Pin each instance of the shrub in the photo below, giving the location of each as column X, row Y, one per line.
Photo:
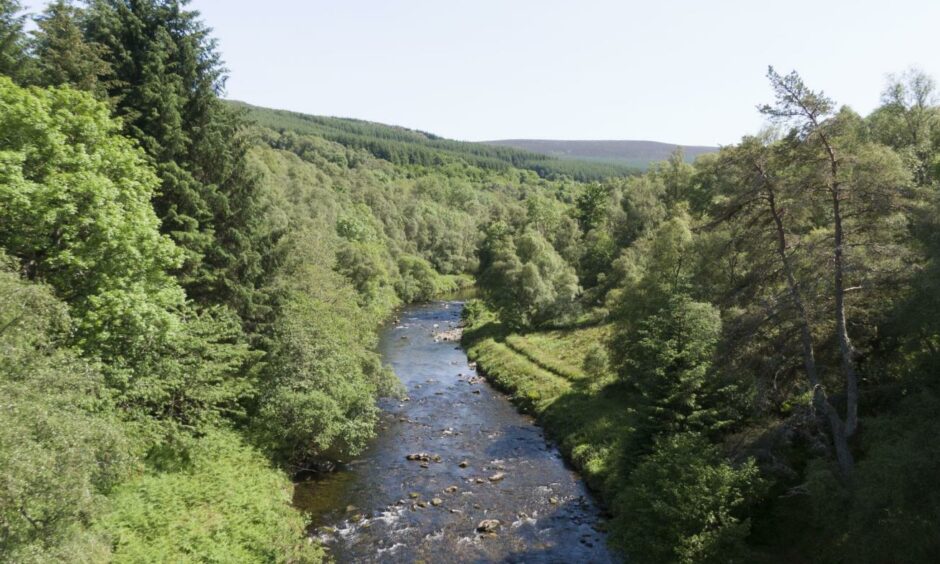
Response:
column 228, row 505
column 685, row 503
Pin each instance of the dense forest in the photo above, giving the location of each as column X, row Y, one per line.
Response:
column 739, row 354
column 405, row 146
column 637, row 154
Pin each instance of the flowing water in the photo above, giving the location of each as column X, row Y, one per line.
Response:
column 386, row 508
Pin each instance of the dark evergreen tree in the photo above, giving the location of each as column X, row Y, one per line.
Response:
column 169, row 76
column 63, row 56
column 13, row 58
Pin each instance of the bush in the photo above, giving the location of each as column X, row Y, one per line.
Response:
column 418, row 280
column 596, row 361
column 229, row 505
column 891, row 512
column 685, row 503
column 60, row 451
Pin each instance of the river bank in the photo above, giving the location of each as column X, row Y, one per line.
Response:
column 456, row 473
column 580, row 409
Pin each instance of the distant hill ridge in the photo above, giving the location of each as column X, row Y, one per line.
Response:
column 404, row 146
column 626, row 152
column 581, row 160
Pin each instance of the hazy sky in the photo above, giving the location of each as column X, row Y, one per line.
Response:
column 684, row 71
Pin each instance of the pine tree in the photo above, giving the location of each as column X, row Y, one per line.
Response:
column 62, row 54
column 169, row 76
column 13, row 56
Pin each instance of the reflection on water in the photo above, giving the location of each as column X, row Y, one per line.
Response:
column 476, row 459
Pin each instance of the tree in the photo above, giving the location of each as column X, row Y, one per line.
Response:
column 863, row 186
column 317, row 398
column 168, row 77
column 676, row 176
column 13, row 41
column 687, row 504
column 63, row 56
column 526, row 279
column 666, row 362
column 649, row 273
column 773, row 213
column 61, row 450
column 75, row 209
column 591, row 206
column 907, row 120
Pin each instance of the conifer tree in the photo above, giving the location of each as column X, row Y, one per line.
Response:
column 13, row 57
column 63, row 56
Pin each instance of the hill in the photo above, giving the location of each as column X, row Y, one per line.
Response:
column 634, row 154
column 403, row 146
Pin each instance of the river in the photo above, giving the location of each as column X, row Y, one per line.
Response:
column 485, row 462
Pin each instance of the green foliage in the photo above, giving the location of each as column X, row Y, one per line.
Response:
column 642, row 208
column 653, row 271
column 596, row 361
column 75, row 209
column 527, row 280
column 13, row 41
column 418, row 279
column 318, row 394
column 687, row 504
column 667, row 357
column 75, row 204
column 198, row 375
column 167, row 77
column 227, row 505
column 718, row 286
column 61, row 450
column 402, row 146
column 591, row 206
column 63, row 56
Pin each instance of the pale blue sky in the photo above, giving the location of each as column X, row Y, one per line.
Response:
column 682, row 71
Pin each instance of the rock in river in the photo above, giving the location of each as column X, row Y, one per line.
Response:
column 488, row 526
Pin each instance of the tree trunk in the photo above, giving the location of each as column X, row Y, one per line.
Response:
column 820, row 400
column 846, row 349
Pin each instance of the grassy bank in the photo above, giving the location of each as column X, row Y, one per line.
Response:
column 555, row 376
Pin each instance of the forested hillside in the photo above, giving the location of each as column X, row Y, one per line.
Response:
column 740, row 354
column 635, row 154
column 403, row 146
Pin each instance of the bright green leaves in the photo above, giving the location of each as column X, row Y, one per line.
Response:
column 527, row 281
column 317, row 398
column 60, row 448
column 75, row 209
column 229, row 505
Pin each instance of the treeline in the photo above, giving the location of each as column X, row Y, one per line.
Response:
column 773, row 337
column 403, row 146
column 189, row 300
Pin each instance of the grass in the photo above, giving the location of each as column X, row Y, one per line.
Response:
column 543, row 372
